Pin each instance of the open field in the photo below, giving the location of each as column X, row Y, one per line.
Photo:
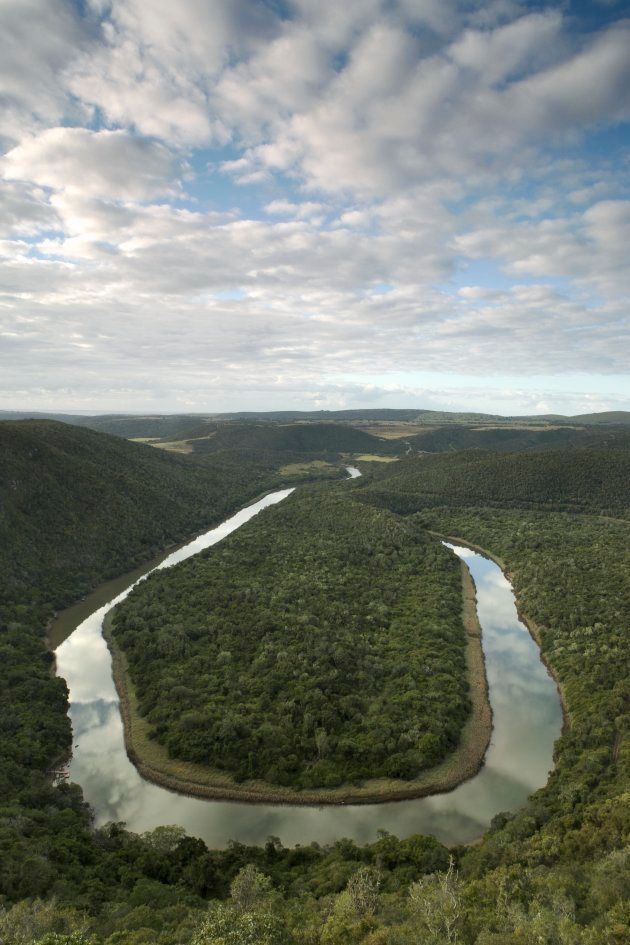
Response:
column 393, row 429
column 174, row 446
column 306, row 469
column 171, row 446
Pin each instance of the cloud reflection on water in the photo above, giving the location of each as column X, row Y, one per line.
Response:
column 527, row 720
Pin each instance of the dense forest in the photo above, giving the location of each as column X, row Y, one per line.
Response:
column 76, row 508
column 310, row 438
column 324, row 439
column 513, row 439
column 320, row 644
column 555, row 873
column 578, row 480
column 65, row 493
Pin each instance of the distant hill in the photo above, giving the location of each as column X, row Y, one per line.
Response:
column 408, row 415
column 506, row 439
column 585, row 480
column 455, row 430
column 130, row 426
column 160, row 427
column 610, row 417
column 301, row 438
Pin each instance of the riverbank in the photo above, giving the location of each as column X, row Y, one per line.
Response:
column 532, row 626
column 153, row 763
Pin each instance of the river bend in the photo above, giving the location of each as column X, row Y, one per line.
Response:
column 527, row 719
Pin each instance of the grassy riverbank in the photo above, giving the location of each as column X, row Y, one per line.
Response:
column 154, row 763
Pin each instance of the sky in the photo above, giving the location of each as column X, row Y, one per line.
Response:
column 216, row 205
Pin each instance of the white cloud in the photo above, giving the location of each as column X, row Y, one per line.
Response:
column 157, row 64
column 38, row 38
column 112, row 164
column 590, row 87
column 383, row 146
column 488, row 99
column 24, row 209
column 589, row 248
column 304, row 210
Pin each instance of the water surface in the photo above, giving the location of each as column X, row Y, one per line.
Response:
column 526, row 715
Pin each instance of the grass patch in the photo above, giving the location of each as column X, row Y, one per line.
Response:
column 373, row 458
column 394, row 429
column 304, row 470
column 174, row 446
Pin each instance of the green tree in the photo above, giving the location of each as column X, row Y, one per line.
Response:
column 250, row 889
column 225, row 926
column 436, row 904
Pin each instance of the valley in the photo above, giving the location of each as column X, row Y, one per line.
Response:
column 557, row 521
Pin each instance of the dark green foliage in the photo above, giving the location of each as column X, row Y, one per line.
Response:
column 322, row 643
column 581, row 480
column 570, row 574
column 536, row 876
column 505, row 439
column 78, row 507
column 320, row 439
column 176, row 427
column 555, row 873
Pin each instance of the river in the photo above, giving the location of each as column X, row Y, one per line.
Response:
column 527, row 719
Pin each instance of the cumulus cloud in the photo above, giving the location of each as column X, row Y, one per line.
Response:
column 589, row 247
column 302, row 210
column 113, row 164
column 38, row 38
column 414, row 195
column 486, row 99
column 24, row 209
column 156, row 64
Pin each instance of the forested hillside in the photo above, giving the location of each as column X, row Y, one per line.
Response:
column 580, row 480
column 555, row 873
column 384, row 432
column 508, row 439
column 321, row 644
column 309, row 438
column 79, row 507
column 562, row 863
column 76, row 508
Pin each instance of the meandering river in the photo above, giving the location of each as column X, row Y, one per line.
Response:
column 527, row 719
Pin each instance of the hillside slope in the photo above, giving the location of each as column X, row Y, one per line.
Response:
column 553, row 873
column 77, row 507
column 580, row 480
column 508, row 439
column 305, row 438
